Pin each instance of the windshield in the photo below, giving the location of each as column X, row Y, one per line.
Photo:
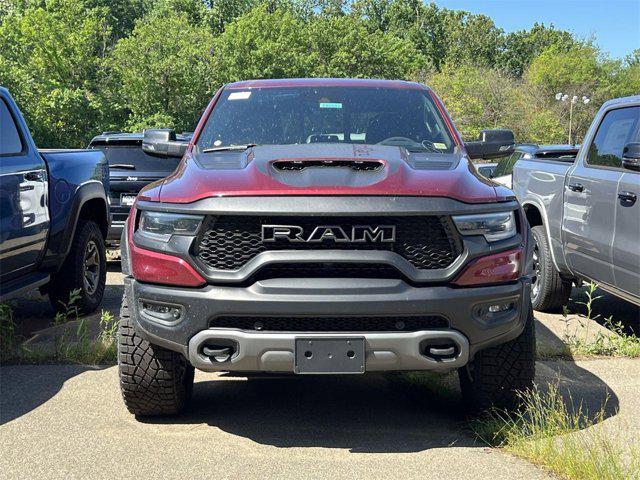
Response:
column 356, row 115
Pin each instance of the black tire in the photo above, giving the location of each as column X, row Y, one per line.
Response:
column 549, row 291
column 153, row 380
column 496, row 375
column 84, row 269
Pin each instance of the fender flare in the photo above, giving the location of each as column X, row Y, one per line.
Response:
column 91, row 190
column 545, row 224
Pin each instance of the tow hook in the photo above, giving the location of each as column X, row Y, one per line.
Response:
column 440, row 351
column 218, row 353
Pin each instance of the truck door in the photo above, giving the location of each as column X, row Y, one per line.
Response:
column 591, row 197
column 24, row 214
column 626, row 243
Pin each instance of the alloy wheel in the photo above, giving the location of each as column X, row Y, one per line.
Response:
column 91, row 267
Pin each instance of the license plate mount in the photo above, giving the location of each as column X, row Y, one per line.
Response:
column 127, row 199
column 330, row 355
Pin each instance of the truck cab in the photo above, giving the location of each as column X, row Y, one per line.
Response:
column 53, row 216
column 585, row 215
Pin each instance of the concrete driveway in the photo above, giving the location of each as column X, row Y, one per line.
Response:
column 69, row 422
column 65, row 421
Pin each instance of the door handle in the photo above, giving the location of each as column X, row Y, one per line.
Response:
column 576, row 187
column 627, row 199
column 34, row 176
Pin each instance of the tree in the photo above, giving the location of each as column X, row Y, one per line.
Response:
column 477, row 97
column 52, row 63
column 579, row 71
column 521, row 47
column 441, row 35
column 164, row 71
column 264, row 44
column 342, row 47
column 472, row 39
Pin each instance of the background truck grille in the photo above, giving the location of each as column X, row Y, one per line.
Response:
column 331, row 324
column 229, row 242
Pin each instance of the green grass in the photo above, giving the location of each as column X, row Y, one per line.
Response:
column 7, row 328
column 81, row 349
column 617, row 344
column 548, row 431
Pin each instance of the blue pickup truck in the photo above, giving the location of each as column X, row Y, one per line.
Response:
column 54, row 216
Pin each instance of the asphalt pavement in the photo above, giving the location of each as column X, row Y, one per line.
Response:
column 68, row 421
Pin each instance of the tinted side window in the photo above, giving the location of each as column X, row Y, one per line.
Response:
column 618, row 128
column 505, row 166
column 10, row 142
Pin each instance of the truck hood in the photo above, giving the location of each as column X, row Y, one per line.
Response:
column 323, row 169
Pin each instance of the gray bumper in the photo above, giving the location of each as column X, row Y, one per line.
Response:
column 262, row 351
column 275, row 352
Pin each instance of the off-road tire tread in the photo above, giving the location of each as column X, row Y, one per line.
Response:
column 71, row 275
column 499, row 372
column 554, row 290
column 153, row 380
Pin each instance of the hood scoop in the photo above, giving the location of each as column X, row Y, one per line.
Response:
column 301, row 165
column 328, row 172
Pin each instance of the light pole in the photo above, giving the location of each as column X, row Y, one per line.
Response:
column 563, row 97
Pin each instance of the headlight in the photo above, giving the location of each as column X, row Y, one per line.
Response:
column 494, row 226
column 158, row 223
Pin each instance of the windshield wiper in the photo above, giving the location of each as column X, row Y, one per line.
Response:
column 123, row 166
column 228, row 147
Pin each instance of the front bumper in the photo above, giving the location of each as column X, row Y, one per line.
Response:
column 471, row 327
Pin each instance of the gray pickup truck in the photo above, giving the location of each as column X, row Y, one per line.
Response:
column 584, row 213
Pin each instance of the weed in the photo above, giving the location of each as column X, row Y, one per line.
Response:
column 83, row 348
column 554, row 434
column 618, row 343
column 7, row 329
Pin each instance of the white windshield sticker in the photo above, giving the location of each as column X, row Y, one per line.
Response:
column 440, row 146
column 330, row 105
column 239, row 95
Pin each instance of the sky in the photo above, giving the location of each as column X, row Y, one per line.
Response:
column 615, row 24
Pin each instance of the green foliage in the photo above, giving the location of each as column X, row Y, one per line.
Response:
column 70, row 345
column 78, row 67
column 615, row 343
column 163, row 72
column 551, row 432
column 477, row 97
column 523, row 46
column 342, row 47
column 7, row 329
column 52, row 62
column 264, row 44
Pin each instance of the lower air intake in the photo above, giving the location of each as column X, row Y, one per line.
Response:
column 331, row 324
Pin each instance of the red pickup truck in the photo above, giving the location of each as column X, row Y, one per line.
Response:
column 324, row 226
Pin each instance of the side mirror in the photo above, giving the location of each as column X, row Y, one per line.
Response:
column 491, row 144
column 631, row 156
column 162, row 142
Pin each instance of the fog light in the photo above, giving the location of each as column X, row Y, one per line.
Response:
column 499, row 307
column 165, row 313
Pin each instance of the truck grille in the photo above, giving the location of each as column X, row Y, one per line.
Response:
column 331, row 324
column 229, row 242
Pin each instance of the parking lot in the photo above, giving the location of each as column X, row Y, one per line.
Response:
column 68, row 421
column 65, row 421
